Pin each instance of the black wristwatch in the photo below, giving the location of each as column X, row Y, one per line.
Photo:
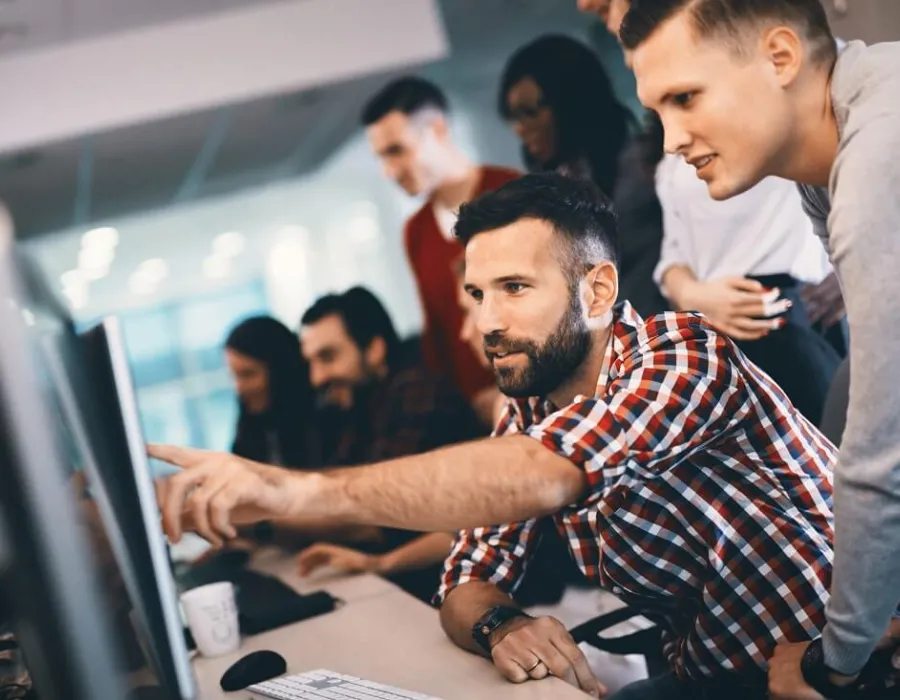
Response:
column 816, row 674
column 491, row 620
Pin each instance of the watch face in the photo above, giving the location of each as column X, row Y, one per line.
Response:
column 816, row 653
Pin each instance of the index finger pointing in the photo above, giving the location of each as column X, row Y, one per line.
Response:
column 183, row 457
column 176, row 491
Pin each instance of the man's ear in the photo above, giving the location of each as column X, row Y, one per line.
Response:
column 600, row 289
column 786, row 52
column 441, row 127
column 376, row 354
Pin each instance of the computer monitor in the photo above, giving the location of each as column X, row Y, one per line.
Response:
column 49, row 570
column 125, row 488
column 86, row 384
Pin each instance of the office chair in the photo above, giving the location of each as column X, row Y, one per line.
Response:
column 646, row 642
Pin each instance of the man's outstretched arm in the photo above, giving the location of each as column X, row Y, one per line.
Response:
column 479, row 483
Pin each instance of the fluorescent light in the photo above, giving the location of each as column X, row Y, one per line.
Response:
column 216, row 267
column 154, row 269
column 142, row 285
column 72, row 278
column 293, row 231
column 77, row 296
column 229, row 245
column 95, row 259
column 103, row 237
column 364, row 229
column 95, row 274
column 146, row 278
column 287, row 259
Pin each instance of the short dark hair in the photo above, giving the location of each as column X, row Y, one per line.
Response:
column 364, row 317
column 728, row 18
column 407, row 95
column 580, row 214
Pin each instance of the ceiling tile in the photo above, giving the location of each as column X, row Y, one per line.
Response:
column 31, row 24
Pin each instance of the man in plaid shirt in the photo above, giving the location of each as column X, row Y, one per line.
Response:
column 679, row 475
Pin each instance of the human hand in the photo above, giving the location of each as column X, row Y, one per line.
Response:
column 734, row 306
column 215, row 491
column 532, row 649
column 786, row 680
column 345, row 559
column 824, row 301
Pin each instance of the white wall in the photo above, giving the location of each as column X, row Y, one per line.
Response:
column 338, row 227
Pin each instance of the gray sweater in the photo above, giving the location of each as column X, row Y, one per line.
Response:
column 858, row 218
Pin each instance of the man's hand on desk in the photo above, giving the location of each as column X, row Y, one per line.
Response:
column 343, row 559
column 527, row 648
column 214, row 492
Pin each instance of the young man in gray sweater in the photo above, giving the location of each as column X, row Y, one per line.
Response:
column 752, row 88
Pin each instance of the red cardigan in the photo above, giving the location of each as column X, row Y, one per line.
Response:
column 432, row 257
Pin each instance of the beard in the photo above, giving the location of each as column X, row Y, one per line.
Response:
column 346, row 394
column 550, row 363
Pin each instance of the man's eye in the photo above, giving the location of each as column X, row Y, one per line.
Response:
column 684, row 99
column 477, row 295
column 514, row 287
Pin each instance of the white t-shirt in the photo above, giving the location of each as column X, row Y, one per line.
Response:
column 446, row 219
column 761, row 232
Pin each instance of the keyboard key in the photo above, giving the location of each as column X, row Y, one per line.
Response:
column 328, row 685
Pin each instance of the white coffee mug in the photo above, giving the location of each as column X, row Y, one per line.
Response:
column 212, row 616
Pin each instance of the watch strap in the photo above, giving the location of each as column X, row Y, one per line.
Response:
column 816, row 674
column 494, row 618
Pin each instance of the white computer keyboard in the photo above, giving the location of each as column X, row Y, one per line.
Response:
column 322, row 685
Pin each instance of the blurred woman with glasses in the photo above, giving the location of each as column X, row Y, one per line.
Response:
column 559, row 100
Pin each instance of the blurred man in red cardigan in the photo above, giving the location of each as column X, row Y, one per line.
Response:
column 407, row 126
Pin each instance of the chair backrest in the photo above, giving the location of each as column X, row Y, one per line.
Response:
column 834, row 413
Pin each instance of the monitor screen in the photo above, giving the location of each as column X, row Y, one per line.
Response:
column 88, row 388
column 123, row 476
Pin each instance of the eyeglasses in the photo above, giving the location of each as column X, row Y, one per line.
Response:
column 521, row 113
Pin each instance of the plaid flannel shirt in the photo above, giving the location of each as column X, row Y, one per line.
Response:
column 710, row 497
column 409, row 412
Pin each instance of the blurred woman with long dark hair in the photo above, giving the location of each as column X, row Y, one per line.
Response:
column 559, row 100
column 274, row 393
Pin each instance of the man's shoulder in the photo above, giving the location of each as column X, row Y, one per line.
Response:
column 418, row 219
column 415, row 382
column 866, row 97
column 419, row 227
column 670, row 331
column 866, row 75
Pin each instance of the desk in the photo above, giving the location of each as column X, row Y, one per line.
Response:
column 381, row 634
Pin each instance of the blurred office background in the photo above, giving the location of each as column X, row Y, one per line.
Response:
column 187, row 163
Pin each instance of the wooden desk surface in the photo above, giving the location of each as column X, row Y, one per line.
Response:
column 381, row 634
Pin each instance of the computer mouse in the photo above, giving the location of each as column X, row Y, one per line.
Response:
column 255, row 667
